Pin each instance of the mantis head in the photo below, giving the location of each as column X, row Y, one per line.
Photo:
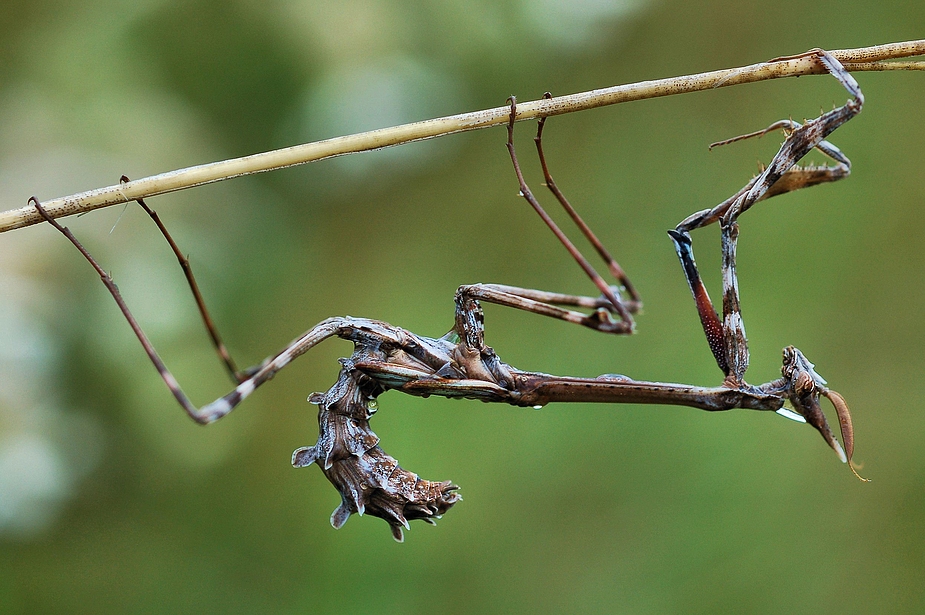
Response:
column 804, row 388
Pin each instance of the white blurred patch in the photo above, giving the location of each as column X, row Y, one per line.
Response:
column 44, row 450
column 575, row 24
column 33, row 481
column 25, row 347
column 378, row 93
column 152, row 282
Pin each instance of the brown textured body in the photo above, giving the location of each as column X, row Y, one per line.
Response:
column 368, row 480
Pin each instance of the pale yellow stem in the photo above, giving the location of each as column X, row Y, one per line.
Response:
column 862, row 59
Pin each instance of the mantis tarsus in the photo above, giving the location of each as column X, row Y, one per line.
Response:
column 461, row 365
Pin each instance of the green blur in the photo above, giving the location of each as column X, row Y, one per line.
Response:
column 568, row 509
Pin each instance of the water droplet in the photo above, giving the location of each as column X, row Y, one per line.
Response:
column 538, row 407
column 372, row 405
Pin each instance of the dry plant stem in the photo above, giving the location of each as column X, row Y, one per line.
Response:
column 860, row 59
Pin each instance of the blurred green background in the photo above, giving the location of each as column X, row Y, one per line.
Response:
column 111, row 501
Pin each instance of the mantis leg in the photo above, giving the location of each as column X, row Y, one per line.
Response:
column 726, row 338
column 354, row 329
column 619, row 307
column 634, row 303
column 236, row 375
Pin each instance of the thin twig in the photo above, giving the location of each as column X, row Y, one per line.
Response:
column 861, row 59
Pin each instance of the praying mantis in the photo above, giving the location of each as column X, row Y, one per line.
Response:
column 460, row 364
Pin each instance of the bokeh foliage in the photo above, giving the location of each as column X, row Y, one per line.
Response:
column 112, row 501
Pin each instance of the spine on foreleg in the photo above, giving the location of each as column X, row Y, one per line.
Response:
column 369, row 480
